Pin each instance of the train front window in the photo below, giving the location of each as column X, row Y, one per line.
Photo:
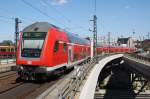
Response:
column 32, row 44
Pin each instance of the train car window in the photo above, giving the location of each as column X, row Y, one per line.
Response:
column 12, row 50
column 64, row 47
column 56, row 46
column 75, row 56
column 3, row 50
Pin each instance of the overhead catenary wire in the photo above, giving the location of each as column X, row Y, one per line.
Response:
column 10, row 13
column 95, row 7
column 47, row 15
column 6, row 17
column 11, row 17
column 40, row 11
column 6, row 21
column 65, row 17
column 7, row 12
column 27, row 20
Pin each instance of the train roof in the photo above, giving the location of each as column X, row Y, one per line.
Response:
column 76, row 39
column 44, row 27
column 39, row 27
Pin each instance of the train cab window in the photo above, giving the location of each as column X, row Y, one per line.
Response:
column 56, row 46
column 64, row 47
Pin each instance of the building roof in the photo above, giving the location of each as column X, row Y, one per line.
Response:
column 123, row 40
column 2, row 44
column 146, row 44
column 146, row 41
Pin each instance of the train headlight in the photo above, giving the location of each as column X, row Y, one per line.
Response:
column 21, row 67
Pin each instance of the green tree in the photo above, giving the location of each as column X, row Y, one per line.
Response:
column 7, row 42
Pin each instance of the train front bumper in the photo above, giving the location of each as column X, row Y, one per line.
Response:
column 34, row 73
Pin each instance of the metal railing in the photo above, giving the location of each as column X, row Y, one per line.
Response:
column 7, row 61
column 69, row 90
column 7, row 64
column 138, row 58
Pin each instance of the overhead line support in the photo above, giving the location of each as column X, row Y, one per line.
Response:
column 17, row 21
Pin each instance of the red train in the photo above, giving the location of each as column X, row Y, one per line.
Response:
column 115, row 50
column 44, row 49
column 7, row 51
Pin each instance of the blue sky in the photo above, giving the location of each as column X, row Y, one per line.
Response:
column 120, row 17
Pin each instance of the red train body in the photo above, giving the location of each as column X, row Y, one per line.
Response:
column 44, row 48
column 7, row 51
column 115, row 50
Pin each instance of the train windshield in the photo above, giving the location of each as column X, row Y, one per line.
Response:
column 32, row 44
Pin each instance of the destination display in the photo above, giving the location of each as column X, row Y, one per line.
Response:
column 34, row 35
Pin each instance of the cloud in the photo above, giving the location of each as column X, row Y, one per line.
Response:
column 127, row 7
column 59, row 2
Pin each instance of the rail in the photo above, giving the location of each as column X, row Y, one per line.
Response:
column 7, row 61
column 138, row 58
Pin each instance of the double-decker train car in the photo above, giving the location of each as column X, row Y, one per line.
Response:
column 44, row 49
column 115, row 50
column 7, row 51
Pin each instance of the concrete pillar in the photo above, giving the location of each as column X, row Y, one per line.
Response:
column 92, row 50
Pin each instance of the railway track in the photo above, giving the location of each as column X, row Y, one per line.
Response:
column 29, row 89
column 8, row 81
column 7, row 75
column 122, row 96
column 24, row 90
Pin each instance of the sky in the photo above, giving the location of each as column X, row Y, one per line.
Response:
column 119, row 17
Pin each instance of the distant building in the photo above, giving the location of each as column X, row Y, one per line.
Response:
column 126, row 42
column 146, row 44
column 138, row 44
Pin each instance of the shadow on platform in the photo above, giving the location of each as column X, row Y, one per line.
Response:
column 119, row 85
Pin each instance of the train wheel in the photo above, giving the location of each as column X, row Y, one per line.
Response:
column 68, row 70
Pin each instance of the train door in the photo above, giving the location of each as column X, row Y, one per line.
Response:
column 70, row 54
